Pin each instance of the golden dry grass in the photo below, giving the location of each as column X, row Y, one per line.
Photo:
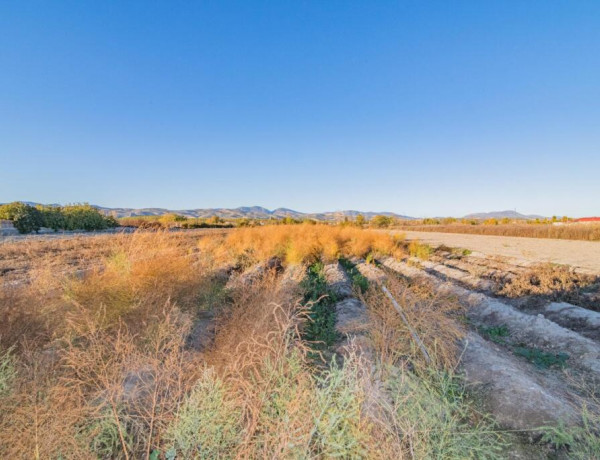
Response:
column 79, row 340
column 106, row 351
column 297, row 244
column 21, row 259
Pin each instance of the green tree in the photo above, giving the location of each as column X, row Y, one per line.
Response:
column 24, row 217
column 360, row 220
column 52, row 217
column 85, row 217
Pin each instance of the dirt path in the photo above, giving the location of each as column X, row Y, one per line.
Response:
column 584, row 255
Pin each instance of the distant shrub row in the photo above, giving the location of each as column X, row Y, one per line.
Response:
column 27, row 218
column 173, row 221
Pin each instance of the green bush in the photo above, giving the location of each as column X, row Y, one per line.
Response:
column 341, row 431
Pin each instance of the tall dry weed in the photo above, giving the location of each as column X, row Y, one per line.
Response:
column 436, row 319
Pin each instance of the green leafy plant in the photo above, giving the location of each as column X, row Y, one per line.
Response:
column 340, row 429
column 540, row 358
column 320, row 329
column 496, row 334
column 358, row 280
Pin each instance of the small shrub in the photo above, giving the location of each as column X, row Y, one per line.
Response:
column 582, row 441
column 421, row 251
column 105, row 435
column 341, row 429
column 8, row 372
column 556, row 281
column 209, row 423
column 436, row 418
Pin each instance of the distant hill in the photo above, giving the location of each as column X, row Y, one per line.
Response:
column 249, row 212
column 501, row 215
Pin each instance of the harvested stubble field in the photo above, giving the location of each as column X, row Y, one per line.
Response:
column 278, row 342
column 571, row 231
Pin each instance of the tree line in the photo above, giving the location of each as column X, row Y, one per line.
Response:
column 27, row 218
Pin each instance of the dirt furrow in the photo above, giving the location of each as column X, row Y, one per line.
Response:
column 587, row 322
column 531, row 329
column 518, row 396
column 461, row 276
column 337, row 280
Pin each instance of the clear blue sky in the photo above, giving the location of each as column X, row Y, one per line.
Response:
column 418, row 107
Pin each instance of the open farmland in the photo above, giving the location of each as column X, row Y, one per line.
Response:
column 292, row 341
column 582, row 255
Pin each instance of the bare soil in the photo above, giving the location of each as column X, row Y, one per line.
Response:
column 582, row 255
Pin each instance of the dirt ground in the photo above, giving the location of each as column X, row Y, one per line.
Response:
column 584, row 255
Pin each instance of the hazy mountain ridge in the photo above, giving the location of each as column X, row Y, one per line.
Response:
column 259, row 212
column 250, row 212
column 501, row 214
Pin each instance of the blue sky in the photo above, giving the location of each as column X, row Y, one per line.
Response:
column 419, row 107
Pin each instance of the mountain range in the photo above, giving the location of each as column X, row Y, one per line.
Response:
column 258, row 212
column 250, row 212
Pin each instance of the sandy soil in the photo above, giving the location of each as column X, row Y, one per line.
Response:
column 584, row 255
